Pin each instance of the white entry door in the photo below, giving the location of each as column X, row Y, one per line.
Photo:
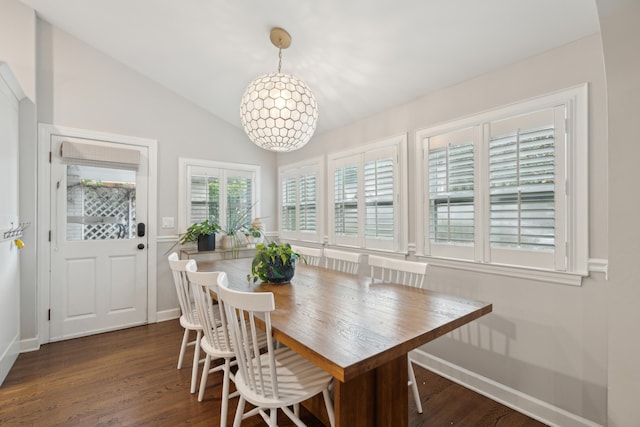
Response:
column 99, row 237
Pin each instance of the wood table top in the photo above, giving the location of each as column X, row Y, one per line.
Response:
column 348, row 325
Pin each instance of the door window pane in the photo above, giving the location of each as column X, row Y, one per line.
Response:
column 101, row 203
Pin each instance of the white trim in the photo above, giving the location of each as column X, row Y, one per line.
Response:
column 357, row 156
column 576, row 232
column 12, row 82
column 548, row 276
column 171, row 314
column 8, row 358
column 184, row 163
column 168, row 239
column 45, row 131
column 521, row 402
column 599, row 265
column 31, row 344
column 298, row 170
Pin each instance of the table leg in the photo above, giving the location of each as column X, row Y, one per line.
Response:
column 377, row 398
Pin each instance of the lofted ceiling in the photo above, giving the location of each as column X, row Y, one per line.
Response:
column 359, row 57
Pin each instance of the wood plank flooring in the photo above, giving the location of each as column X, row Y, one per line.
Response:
column 129, row 378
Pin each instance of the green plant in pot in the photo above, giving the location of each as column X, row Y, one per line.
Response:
column 202, row 232
column 273, row 263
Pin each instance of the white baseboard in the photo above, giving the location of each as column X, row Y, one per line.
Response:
column 165, row 315
column 9, row 357
column 528, row 405
column 28, row 345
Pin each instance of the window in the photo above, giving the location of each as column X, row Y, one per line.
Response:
column 223, row 192
column 300, row 213
column 451, row 188
column 366, row 196
column 508, row 187
column 345, row 204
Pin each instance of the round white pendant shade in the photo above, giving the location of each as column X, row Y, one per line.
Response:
column 279, row 112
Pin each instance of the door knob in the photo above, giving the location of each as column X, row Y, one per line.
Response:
column 141, row 246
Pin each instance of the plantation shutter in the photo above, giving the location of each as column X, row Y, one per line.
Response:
column 308, row 203
column 522, row 182
column 205, row 195
column 379, row 172
column 346, row 197
column 451, row 187
column 289, row 200
column 240, row 201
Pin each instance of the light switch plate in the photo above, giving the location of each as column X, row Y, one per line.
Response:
column 168, row 222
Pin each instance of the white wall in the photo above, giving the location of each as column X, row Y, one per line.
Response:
column 17, row 124
column 80, row 87
column 10, row 95
column 17, row 43
column 621, row 41
column 561, row 344
column 545, row 340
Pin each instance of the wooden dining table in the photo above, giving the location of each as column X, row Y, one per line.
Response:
column 358, row 330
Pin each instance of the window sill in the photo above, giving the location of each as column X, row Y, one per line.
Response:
column 562, row 278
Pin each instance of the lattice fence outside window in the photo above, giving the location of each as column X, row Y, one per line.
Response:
column 101, row 211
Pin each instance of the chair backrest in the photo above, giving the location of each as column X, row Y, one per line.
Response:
column 212, row 317
column 241, row 309
column 311, row 255
column 347, row 262
column 179, row 270
column 398, row 271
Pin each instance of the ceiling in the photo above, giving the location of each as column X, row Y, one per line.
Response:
column 359, row 57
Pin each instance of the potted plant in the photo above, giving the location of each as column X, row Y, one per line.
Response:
column 273, row 263
column 252, row 232
column 202, row 232
column 237, row 230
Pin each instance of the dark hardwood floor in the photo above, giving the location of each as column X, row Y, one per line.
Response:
column 129, row 378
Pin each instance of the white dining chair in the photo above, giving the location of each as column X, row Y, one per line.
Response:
column 347, row 262
column 189, row 317
column 408, row 273
column 270, row 379
column 216, row 341
column 312, row 256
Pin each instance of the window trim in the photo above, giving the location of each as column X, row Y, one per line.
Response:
column 576, row 195
column 400, row 242
column 296, row 169
column 184, row 164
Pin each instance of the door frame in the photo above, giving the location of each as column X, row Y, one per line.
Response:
column 45, row 132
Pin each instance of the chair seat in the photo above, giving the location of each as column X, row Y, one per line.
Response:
column 192, row 325
column 214, row 351
column 298, row 379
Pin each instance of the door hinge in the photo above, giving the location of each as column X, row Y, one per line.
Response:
column 49, row 235
column 50, row 156
column 49, row 314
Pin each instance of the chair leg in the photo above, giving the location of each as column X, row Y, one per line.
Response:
column 225, row 392
column 414, row 388
column 196, row 362
column 183, row 347
column 273, row 418
column 329, row 405
column 203, row 378
column 239, row 412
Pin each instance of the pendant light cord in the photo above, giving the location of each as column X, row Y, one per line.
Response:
column 279, row 59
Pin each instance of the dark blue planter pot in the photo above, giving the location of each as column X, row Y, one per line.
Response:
column 206, row 242
column 277, row 273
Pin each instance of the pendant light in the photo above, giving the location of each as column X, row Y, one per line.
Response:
column 278, row 111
